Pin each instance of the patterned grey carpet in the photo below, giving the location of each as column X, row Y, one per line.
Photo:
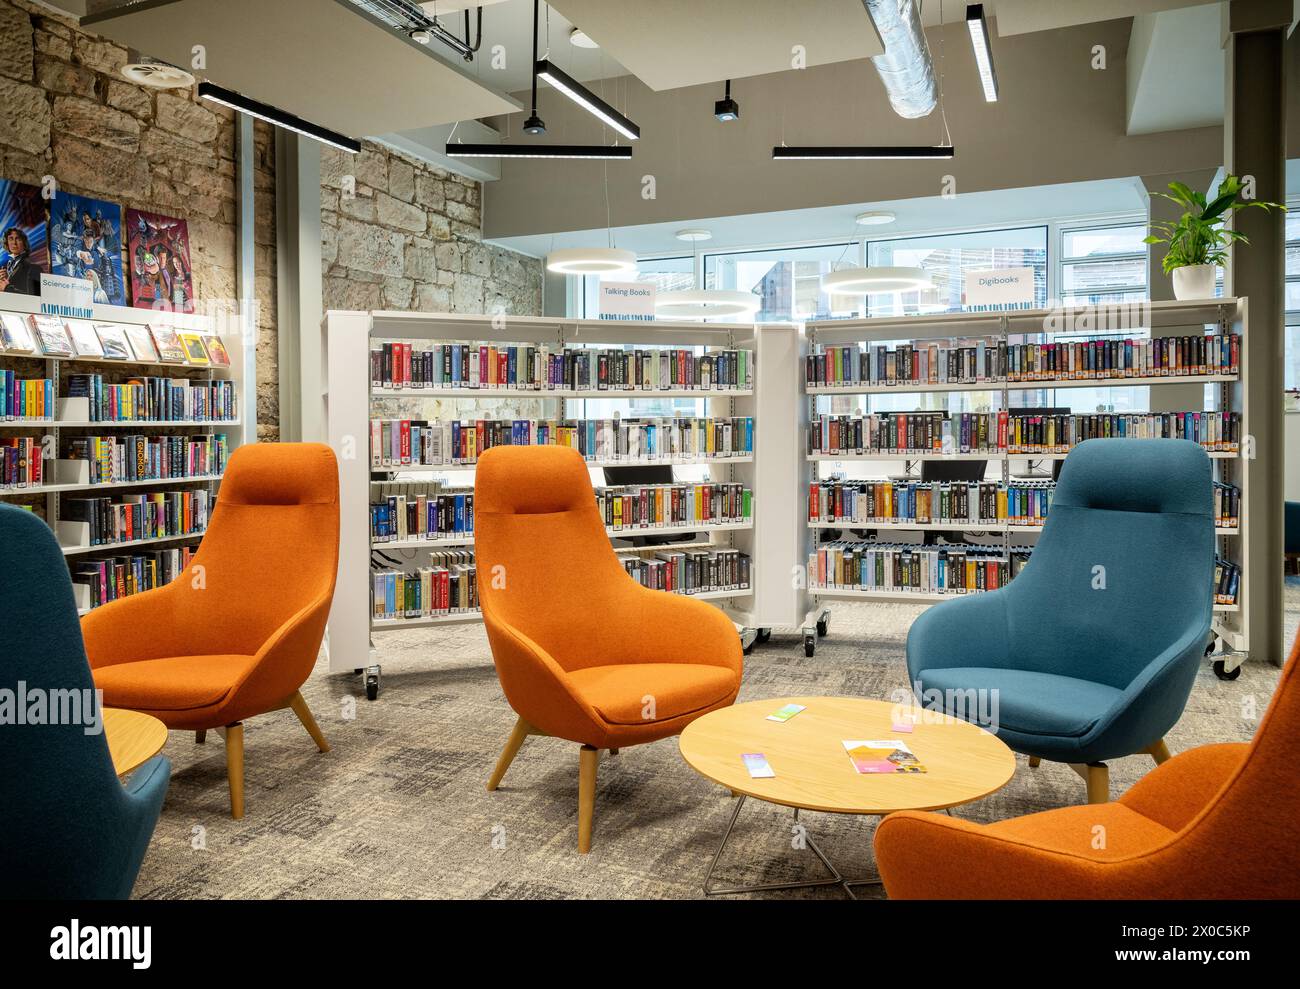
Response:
column 398, row 809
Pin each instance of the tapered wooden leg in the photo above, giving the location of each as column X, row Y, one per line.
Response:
column 1034, row 761
column 521, row 731
column 235, row 768
column 200, row 736
column 587, row 760
column 1098, row 783
column 1159, row 752
column 301, row 709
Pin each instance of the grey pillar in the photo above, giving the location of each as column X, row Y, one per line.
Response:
column 1255, row 145
column 298, row 286
column 245, row 284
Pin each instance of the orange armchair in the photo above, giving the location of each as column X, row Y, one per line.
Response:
column 1216, row 822
column 237, row 634
column 584, row 652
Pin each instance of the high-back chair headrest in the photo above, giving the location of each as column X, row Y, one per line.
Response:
column 281, row 474
column 1123, row 475
column 531, row 480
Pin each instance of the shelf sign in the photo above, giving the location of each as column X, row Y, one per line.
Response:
column 626, row 301
column 69, row 297
column 1000, row 287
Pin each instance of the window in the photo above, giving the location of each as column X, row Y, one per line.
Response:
column 787, row 280
column 1291, row 374
column 948, row 258
column 1103, row 264
column 667, row 275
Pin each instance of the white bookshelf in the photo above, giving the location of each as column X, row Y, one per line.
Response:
column 72, row 415
column 347, row 338
column 1180, row 317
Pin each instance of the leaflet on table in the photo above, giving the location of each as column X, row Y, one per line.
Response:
column 882, row 756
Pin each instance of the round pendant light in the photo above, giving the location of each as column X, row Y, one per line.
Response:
column 591, row 261
column 705, row 304
column 865, row 281
column 874, row 218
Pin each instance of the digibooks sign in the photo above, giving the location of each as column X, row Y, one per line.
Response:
column 626, row 301
column 1000, row 287
column 71, row 298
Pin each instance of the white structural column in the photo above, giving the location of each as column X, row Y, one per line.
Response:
column 299, row 303
column 245, row 283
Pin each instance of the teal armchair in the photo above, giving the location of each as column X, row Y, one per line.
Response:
column 1090, row 653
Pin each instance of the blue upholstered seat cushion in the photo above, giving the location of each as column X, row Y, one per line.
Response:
column 1025, row 702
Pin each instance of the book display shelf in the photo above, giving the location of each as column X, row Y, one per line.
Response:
column 876, row 490
column 412, row 398
column 121, row 457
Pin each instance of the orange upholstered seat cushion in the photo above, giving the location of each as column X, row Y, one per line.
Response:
column 176, row 683
column 641, row 693
column 1101, row 832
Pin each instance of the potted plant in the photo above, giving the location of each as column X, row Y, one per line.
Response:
column 1198, row 241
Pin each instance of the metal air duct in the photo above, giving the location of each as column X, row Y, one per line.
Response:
column 905, row 67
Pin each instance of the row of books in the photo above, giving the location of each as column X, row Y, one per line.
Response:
column 911, row 567
column 410, row 513
column 646, row 506
column 137, row 457
column 1216, row 431
column 51, row 336
column 448, row 586
column 1227, row 581
column 908, row 432
column 401, row 442
column 20, row 462
column 542, row 368
column 1146, row 357
column 153, row 399
column 116, row 577
column 692, row 572
column 1014, row 503
column 130, row 517
column 25, row 398
column 932, row 363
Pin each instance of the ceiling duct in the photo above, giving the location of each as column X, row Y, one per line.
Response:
column 905, row 67
column 408, row 18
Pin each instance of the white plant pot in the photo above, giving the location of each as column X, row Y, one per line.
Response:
column 1194, row 281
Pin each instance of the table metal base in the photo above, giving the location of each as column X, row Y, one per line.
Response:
column 835, row 879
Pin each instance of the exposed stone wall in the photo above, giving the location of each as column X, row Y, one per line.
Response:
column 401, row 234
column 66, row 112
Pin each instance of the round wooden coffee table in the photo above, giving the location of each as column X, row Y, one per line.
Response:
column 814, row 772
column 133, row 738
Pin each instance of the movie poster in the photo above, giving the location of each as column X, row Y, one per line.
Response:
column 158, row 249
column 24, row 225
column 86, row 242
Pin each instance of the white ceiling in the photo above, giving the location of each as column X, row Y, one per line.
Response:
column 1005, row 207
column 1025, row 16
column 1175, row 70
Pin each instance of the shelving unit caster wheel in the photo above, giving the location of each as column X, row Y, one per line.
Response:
column 823, row 623
column 764, row 634
column 748, row 636
column 809, row 642
column 372, row 683
column 358, row 671
column 1223, row 673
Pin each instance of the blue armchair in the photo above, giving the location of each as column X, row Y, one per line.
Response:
column 1091, row 652
column 71, row 829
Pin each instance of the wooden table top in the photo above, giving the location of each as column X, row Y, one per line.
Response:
column 814, row 772
column 133, row 738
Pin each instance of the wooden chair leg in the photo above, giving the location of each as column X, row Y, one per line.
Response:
column 200, row 736
column 521, row 731
column 1159, row 752
column 587, row 761
column 235, row 768
column 301, row 709
column 1034, row 761
column 1098, row 780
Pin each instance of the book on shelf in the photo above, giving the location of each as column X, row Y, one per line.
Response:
column 84, row 338
column 51, row 335
column 21, row 464
column 1227, row 581
column 137, row 457
column 908, row 432
column 16, row 334
column 403, row 442
column 1227, row 505
column 142, row 345
column 1131, row 357
column 168, row 344
column 1038, row 433
column 539, row 367
column 195, row 352
column 25, row 398
column 934, row 362
column 691, row 571
column 131, row 517
column 648, row 506
column 913, row 567
column 448, row 586
column 112, row 339
column 115, row 577
column 217, row 352
column 154, row 399
column 402, row 510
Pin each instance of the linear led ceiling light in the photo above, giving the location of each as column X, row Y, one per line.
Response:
column 590, row 151
column 272, row 115
column 979, row 39
column 868, row 281
column 591, row 261
column 878, row 153
column 585, row 98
